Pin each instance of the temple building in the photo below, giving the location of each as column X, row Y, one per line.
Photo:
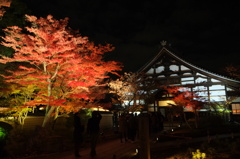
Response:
column 169, row 69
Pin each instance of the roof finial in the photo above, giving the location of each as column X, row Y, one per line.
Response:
column 163, row 43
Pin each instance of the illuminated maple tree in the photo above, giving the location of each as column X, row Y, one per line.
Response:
column 185, row 99
column 62, row 64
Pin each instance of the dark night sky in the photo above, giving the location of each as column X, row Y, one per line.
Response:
column 204, row 33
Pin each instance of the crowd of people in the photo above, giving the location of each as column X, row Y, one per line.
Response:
column 93, row 130
column 127, row 128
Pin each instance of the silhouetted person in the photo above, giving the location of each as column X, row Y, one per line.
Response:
column 154, row 123
column 132, row 127
column 122, row 128
column 93, row 130
column 2, row 150
column 161, row 121
column 77, row 134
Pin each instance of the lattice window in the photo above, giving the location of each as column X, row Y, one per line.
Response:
column 218, row 98
column 214, row 80
column 217, row 87
column 159, row 69
column 150, row 71
column 218, row 93
column 174, row 68
column 183, row 68
column 236, row 108
column 200, row 80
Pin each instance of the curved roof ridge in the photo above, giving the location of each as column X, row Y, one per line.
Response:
column 201, row 69
column 150, row 61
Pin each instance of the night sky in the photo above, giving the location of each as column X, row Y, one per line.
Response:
column 204, row 33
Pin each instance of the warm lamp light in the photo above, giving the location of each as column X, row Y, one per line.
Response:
column 99, row 108
column 166, row 103
column 41, row 108
column 136, row 151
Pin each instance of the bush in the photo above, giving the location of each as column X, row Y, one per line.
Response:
column 216, row 149
column 41, row 141
column 5, row 129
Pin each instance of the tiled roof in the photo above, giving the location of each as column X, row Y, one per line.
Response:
column 164, row 50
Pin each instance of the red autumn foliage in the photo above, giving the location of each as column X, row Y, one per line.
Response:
column 4, row 3
column 184, row 98
column 59, row 61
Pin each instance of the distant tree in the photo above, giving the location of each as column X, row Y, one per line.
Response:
column 233, row 71
column 147, row 88
column 221, row 109
column 134, row 91
column 62, row 64
column 124, row 88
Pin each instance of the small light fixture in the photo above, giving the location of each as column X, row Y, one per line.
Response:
column 136, row 151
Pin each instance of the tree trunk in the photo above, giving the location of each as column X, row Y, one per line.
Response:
column 185, row 118
column 48, row 117
column 196, row 118
column 55, row 117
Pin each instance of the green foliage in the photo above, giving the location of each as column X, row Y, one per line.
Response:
column 3, row 133
column 5, row 129
column 87, row 113
column 15, row 97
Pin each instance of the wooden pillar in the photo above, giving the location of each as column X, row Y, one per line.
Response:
column 144, row 151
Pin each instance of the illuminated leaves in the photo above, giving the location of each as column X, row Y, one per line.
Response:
column 185, row 98
column 131, row 88
column 4, row 3
column 124, row 87
column 58, row 60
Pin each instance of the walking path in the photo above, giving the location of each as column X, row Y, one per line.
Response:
column 105, row 150
column 114, row 149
